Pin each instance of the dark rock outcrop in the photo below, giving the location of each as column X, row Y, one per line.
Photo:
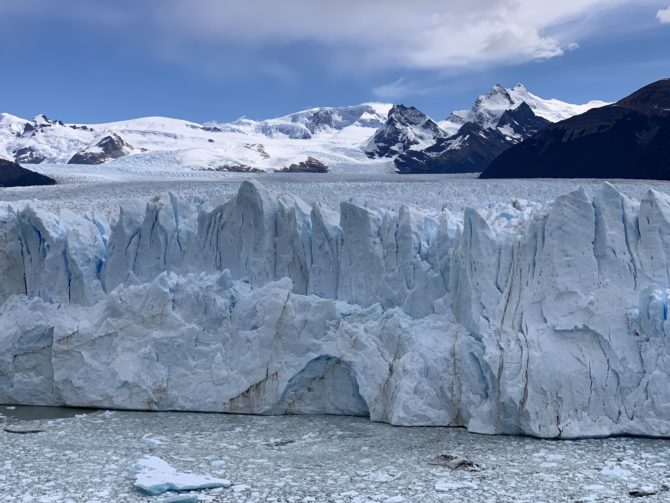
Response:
column 235, row 168
column 108, row 148
column 13, row 175
column 205, row 127
column 310, row 165
column 28, row 129
column 28, row 155
column 628, row 139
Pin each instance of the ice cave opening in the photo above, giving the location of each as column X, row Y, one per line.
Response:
column 326, row 385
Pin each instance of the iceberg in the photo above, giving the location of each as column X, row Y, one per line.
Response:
column 155, row 476
column 544, row 320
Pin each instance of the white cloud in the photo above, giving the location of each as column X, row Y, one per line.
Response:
column 426, row 34
column 361, row 34
column 393, row 90
column 663, row 15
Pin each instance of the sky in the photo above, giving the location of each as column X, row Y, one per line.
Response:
column 218, row 60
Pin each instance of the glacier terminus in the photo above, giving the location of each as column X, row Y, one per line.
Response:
column 545, row 320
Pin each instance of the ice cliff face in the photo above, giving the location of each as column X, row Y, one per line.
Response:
column 548, row 321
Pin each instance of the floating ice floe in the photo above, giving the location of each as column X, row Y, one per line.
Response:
column 445, row 485
column 152, row 441
column 155, row 476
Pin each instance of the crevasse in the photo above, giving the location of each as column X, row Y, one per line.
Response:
column 547, row 321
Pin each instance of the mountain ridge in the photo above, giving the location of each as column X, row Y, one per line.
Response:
column 342, row 138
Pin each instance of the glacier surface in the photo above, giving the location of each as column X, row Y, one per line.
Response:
column 546, row 320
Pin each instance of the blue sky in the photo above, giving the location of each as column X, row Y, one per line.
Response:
column 89, row 61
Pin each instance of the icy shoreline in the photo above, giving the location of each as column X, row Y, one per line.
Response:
column 546, row 320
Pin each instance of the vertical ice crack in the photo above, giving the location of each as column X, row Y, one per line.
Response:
column 68, row 272
column 175, row 215
column 599, row 239
column 633, row 256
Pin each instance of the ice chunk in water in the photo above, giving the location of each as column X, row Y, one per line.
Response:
column 155, row 476
column 181, row 498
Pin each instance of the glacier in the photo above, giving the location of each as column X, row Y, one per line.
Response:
column 545, row 320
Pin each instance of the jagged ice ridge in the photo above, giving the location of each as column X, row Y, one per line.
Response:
column 541, row 320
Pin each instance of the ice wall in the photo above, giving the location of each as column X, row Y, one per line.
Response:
column 548, row 321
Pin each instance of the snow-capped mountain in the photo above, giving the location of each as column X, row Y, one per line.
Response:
column 405, row 128
column 469, row 139
column 335, row 136
column 465, row 152
column 473, row 146
column 628, row 139
column 308, row 123
column 490, row 107
column 498, row 120
column 372, row 137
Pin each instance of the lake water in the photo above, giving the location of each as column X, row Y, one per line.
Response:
column 84, row 456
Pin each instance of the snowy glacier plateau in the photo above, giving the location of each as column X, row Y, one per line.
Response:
column 547, row 319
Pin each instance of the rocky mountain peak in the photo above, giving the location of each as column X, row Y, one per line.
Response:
column 407, row 115
column 41, row 120
column 520, row 123
column 497, row 95
column 405, row 128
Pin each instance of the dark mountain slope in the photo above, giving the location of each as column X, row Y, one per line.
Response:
column 474, row 147
column 468, row 151
column 628, row 139
column 13, row 175
column 522, row 122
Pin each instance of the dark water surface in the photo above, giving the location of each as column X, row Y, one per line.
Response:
column 30, row 413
